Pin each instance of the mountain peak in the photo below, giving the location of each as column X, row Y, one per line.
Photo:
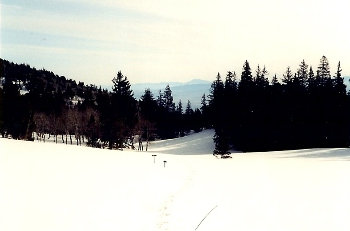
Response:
column 197, row 81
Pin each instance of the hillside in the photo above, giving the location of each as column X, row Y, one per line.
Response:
column 45, row 186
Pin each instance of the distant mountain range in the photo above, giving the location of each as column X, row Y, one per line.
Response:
column 192, row 90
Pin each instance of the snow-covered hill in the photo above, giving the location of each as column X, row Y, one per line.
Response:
column 44, row 186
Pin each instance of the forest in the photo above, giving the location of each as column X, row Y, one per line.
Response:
column 305, row 109
column 35, row 104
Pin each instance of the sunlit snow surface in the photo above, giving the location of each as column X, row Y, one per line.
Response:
column 47, row 186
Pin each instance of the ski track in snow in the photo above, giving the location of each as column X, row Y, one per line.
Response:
column 63, row 187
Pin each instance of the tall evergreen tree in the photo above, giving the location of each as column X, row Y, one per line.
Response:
column 260, row 79
column 121, row 85
column 204, row 104
column 323, row 69
column 160, row 99
column 189, row 110
column 217, row 105
column 168, row 98
column 274, row 80
column 340, row 87
column 179, row 108
column 246, row 77
column 148, row 106
column 303, row 73
column 123, row 111
column 288, row 76
column 311, row 80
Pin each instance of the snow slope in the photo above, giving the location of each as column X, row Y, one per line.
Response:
column 44, row 186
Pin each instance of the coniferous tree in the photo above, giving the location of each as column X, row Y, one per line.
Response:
column 274, row 81
column 189, row 110
column 217, row 93
column 303, row 73
column 288, row 76
column 148, row 106
column 311, row 80
column 179, row 108
column 188, row 117
column 160, row 100
column 205, row 112
column 340, row 87
column 123, row 111
column 180, row 119
column 204, row 104
column 246, row 77
column 168, row 98
column 323, row 69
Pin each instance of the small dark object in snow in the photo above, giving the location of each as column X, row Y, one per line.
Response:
column 154, row 158
column 164, row 163
column 226, row 156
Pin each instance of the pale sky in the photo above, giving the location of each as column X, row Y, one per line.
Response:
column 173, row 40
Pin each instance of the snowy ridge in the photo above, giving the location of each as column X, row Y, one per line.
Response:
column 44, row 186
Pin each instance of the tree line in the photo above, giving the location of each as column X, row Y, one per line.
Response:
column 305, row 110
column 37, row 104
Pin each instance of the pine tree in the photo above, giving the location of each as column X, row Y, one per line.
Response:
column 324, row 73
column 160, row 100
column 274, row 81
column 148, row 106
column 168, row 98
column 288, row 76
column 230, row 82
column 180, row 123
column 217, row 107
column 260, row 79
column 123, row 111
column 204, row 104
column 323, row 68
column 339, row 85
column 205, row 112
column 246, row 77
column 121, row 85
column 179, row 108
column 189, row 110
column 303, row 73
column 217, row 92
column 311, row 79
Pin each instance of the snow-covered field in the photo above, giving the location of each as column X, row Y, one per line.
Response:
column 47, row 186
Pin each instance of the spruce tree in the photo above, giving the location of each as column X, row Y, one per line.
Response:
column 160, row 100
column 311, row 80
column 168, row 98
column 217, row 105
column 189, row 110
column 246, row 77
column 274, row 81
column 288, row 76
column 323, row 68
column 204, row 104
column 303, row 73
column 179, row 108
column 121, row 85
column 340, row 87
column 148, row 106
column 123, row 111
column 260, row 79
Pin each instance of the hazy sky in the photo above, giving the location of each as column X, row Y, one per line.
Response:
column 173, row 40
